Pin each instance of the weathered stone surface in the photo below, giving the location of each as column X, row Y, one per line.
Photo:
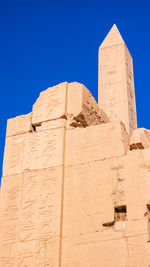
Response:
column 76, row 187
column 140, row 139
column 35, row 150
column 89, row 230
column 14, row 154
column 137, row 166
column 84, row 193
column 96, row 143
column 19, row 125
column 116, row 81
column 72, row 101
column 50, row 105
column 49, row 125
column 41, row 199
column 11, row 194
column 31, row 212
column 44, row 149
column 82, row 107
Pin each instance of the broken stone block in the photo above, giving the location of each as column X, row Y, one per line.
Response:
column 71, row 101
column 139, row 139
column 51, row 104
column 49, row 125
column 82, row 109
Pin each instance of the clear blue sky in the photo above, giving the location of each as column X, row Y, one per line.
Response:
column 43, row 43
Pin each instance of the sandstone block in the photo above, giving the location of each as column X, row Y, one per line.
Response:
column 19, row 125
column 49, row 125
column 34, row 150
column 101, row 252
column 95, row 143
column 14, row 154
column 44, row 149
column 11, row 193
column 50, row 105
column 41, row 214
column 82, row 106
column 31, row 214
column 134, row 180
column 72, row 101
column 86, row 197
column 139, row 139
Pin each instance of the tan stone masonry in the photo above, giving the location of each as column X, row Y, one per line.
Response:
column 76, row 184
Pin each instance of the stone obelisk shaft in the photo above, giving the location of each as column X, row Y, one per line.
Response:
column 116, row 80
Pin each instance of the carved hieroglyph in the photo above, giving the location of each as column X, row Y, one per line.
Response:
column 116, row 80
column 76, row 186
column 33, row 174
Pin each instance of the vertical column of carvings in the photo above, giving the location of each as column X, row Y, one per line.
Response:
column 130, row 91
column 42, row 199
column 11, row 192
column 37, row 158
column 42, row 203
column 40, row 216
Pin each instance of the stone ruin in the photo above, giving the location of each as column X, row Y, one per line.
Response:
column 76, row 175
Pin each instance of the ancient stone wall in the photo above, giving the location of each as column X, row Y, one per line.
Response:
column 76, row 185
column 33, row 175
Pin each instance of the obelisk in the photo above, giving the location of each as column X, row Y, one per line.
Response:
column 116, row 94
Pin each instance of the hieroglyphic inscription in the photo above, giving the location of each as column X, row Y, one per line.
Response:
column 27, row 261
column 11, row 196
column 40, row 214
column 110, row 80
column 14, row 155
column 50, row 104
column 116, row 83
column 130, row 92
column 44, row 149
column 28, row 210
column 49, row 147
